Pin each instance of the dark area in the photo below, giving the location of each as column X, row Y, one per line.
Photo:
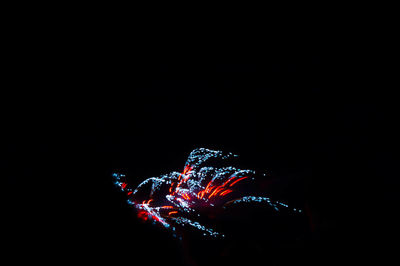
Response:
column 77, row 111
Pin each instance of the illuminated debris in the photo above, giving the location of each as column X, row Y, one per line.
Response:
column 179, row 200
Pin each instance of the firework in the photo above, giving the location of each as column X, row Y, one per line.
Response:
column 207, row 186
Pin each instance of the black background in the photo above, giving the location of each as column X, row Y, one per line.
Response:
column 80, row 108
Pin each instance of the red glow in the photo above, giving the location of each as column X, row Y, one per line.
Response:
column 210, row 189
column 223, row 193
column 218, row 188
column 186, row 196
column 238, row 180
column 226, row 182
column 202, row 194
column 186, row 172
column 142, row 215
column 187, row 169
column 215, row 191
column 123, row 185
column 208, row 185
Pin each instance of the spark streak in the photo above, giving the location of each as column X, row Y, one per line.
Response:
column 199, row 188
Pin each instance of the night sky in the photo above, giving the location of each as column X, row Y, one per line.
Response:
column 79, row 111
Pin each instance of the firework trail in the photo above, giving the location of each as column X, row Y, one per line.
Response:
column 189, row 200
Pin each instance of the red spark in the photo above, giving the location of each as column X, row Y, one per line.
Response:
column 186, row 196
column 216, row 191
column 238, row 180
column 226, row 182
column 142, row 215
column 223, row 193
column 170, row 188
column 186, row 172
